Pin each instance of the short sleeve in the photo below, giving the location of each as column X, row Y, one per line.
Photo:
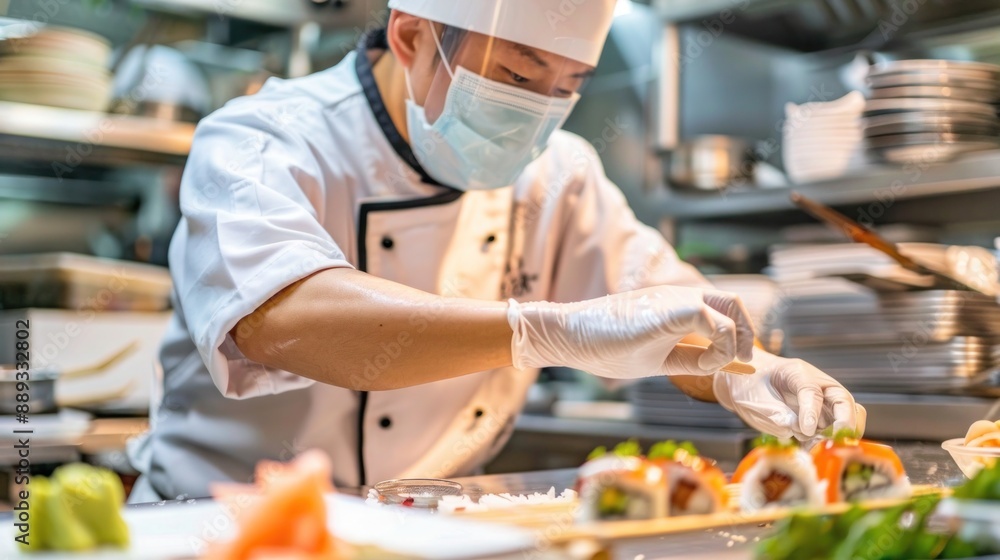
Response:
column 249, row 228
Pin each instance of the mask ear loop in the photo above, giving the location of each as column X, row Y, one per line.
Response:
column 409, row 86
column 444, row 60
column 437, row 41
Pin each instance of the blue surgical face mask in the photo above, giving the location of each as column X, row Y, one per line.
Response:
column 488, row 132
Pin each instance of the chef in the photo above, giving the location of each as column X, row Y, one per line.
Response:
column 374, row 260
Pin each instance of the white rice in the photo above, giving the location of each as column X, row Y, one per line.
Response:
column 487, row 502
column 799, row 466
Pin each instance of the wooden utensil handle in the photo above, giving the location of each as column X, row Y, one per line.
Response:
column 693, row 352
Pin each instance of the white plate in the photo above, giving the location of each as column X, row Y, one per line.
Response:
column 62, row 97
column 822, row 122
column 850, row 103
column 824, row 133
column 831, row 143
column 57, row 42
column 180, row 530
column 67, row 424
column 36, row 64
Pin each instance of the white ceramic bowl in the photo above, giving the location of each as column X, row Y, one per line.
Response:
column 971, row 460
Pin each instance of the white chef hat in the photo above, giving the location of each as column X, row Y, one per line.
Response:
column 575, row 29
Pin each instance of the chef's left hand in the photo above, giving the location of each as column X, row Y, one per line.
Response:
column 788, row 397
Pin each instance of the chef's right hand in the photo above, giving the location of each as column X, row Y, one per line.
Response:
column 632, row 334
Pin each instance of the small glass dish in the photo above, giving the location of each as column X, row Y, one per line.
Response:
column 416, row 492
column 971, row 459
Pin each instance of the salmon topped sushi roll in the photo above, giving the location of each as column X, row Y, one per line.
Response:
column 695, row 485
column 620, row 485
column 778, row 473
column 857, row 469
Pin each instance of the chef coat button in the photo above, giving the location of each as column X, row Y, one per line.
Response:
column 387, row 242
column 479, row 412
column 385, row 422
column 491, row 238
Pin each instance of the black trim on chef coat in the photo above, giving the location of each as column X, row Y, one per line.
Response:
column 376, row 40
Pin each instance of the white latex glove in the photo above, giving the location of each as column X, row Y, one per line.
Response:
column 788, row 398
column 631, row 334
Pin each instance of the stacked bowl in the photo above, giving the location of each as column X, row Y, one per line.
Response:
column 822, row 140
column 57, row 66
column 925, row 111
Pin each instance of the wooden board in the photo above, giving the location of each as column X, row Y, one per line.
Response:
column 556, row 522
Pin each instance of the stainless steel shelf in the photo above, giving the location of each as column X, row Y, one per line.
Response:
column 818, row 25
column 284, row 14
column 689, row 10
column 76, row 137
column 979, row 172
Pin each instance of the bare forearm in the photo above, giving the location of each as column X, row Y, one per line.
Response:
column 351, row 329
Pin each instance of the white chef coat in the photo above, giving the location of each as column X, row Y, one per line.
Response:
column 310, row 174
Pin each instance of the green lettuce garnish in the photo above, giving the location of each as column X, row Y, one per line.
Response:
column 767, row 440
column 630, row 448
column 597, row 453
column 668, row 449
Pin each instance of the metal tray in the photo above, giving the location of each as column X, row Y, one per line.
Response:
column 876, row 331
column 921, row 301
column 655, row 400
column 650, row 417
column 937, row 92
column 930, row 117
column 921, row 417
column 915, row 104
column 940, row 79
column 868, row 319
column 957, row 68
column 953, row 353
column 872, row 131
column 928, row 138
column 981, row 383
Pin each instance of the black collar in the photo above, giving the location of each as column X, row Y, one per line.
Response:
column 376, row 40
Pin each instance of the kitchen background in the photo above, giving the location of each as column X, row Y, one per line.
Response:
column 707, row 114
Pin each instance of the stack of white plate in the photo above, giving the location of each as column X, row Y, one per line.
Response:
column 822, row 140
column 923, row 111
column 57, row 66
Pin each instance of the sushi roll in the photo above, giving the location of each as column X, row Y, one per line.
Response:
column 778, row 473
column 620, row 485
column 695, row 485
column 856, row 469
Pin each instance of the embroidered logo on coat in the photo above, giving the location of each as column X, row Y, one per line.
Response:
column 516, row 281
